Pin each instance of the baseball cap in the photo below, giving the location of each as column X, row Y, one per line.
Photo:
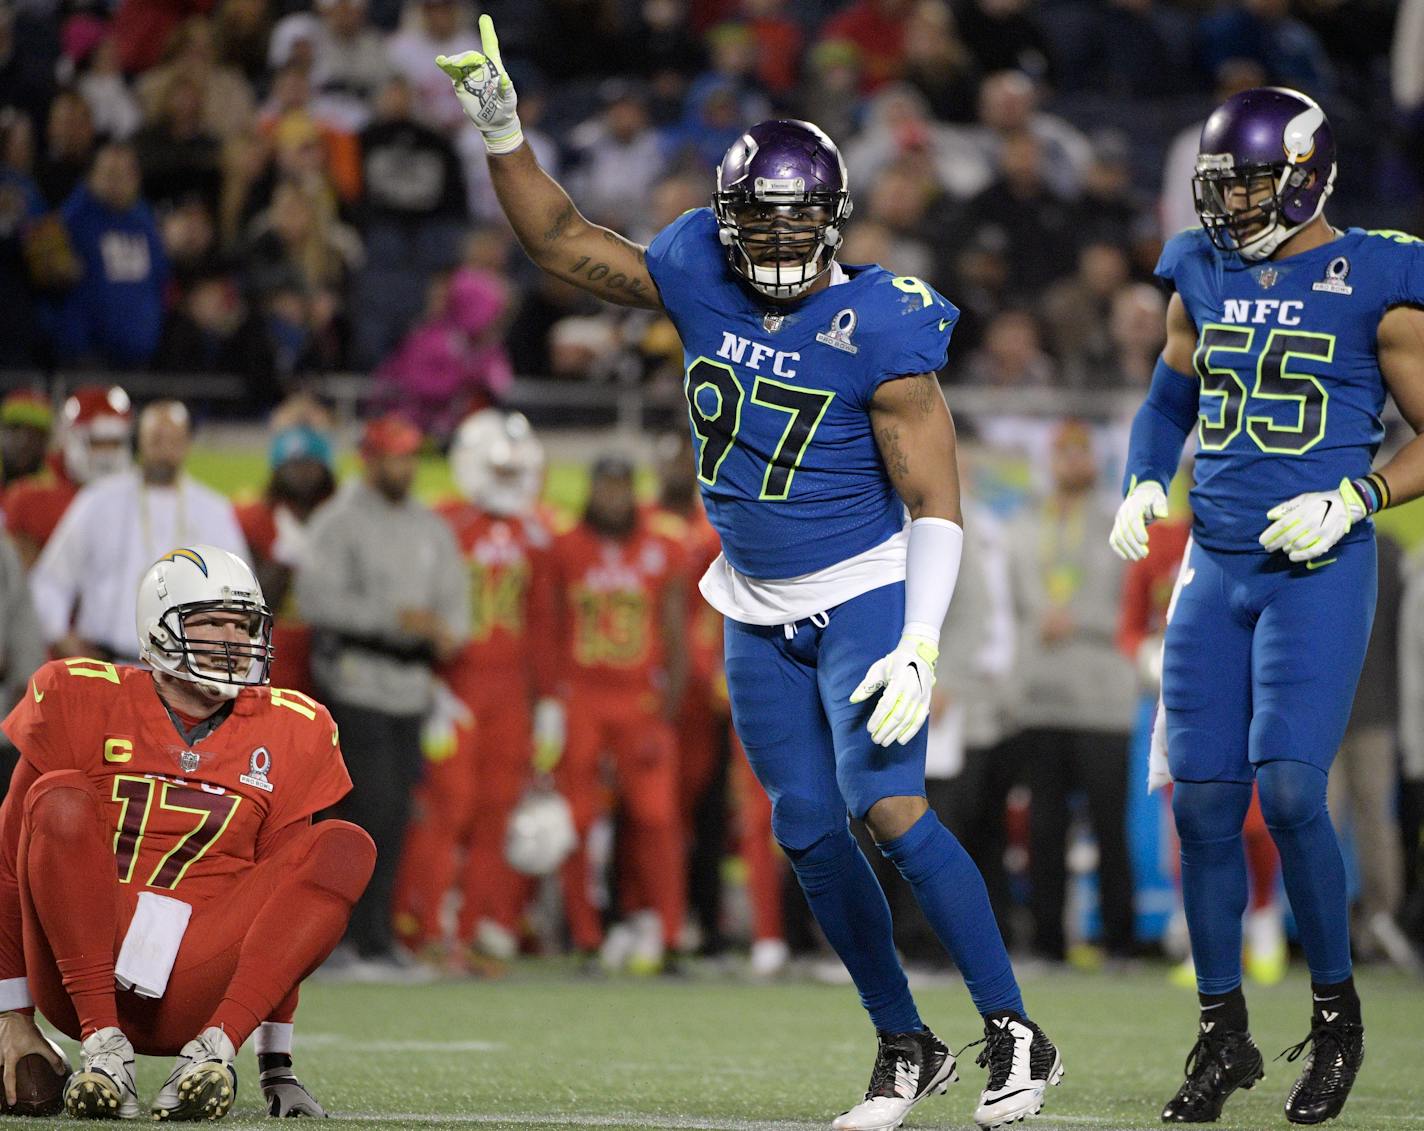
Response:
column 390, row 435
column 27, row 408
column 299, row 442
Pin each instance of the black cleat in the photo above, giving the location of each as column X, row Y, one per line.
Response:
column 1219, row 1063
column 1022, row 1063
column 908, row 1067
column 1336, row 1052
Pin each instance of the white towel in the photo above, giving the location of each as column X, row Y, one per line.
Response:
column 151, row 944
column 1159, row 772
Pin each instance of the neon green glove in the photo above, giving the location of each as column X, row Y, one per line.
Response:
column 1145, row 502
column 907, row 676
column 550, row 734
column 1309, row 525
column 485, row 92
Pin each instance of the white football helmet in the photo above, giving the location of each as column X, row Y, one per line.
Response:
column 204, row 579
column 540, row 834
column 498, row 462
column 98, row 426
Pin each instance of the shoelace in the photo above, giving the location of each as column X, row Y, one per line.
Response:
column 1206, row 1054
column 1326, row 1066
column 997, row 1054
column 884, row 1076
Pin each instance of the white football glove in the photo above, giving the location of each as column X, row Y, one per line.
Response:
column 908, row 678
column 1145, row 502
column 287, row 1096
column 485, row 92
column 550, row 733
column 446, row 715
column 1309, row 525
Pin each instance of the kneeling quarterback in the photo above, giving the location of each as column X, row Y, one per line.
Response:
column 163, row 889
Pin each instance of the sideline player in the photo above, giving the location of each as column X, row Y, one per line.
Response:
column 818, row 421
column 172, row 809
column 1283, row 337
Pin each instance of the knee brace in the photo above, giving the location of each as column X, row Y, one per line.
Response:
column 1210, row 811
column 818, row 865
column 341, row 859
column 1292, row 793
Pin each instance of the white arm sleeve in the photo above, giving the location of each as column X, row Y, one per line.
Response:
column 931, row 571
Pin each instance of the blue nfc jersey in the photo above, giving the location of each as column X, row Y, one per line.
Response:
column 779, row 399
column 1291, row 391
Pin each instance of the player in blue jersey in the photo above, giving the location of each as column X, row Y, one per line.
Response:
column 1283, row 336
column 818, row 421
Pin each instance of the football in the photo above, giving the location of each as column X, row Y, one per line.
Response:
column 39, row 1090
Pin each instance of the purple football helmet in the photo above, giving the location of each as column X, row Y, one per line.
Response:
column 781, row 203
column 1271, row 141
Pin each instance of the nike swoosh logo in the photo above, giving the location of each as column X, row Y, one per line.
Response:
column 1319, row 998
column 39, row 695
column 943, row 322
column 1219, row 1004
column 1316, row 564
column 1328, row 504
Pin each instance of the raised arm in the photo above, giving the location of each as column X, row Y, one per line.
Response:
column 550, row 229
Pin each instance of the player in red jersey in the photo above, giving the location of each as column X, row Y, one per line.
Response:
column 620, row 605
column 96, row 431
column 469, row 791
column 158, row 833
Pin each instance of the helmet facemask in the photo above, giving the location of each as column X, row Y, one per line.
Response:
column 779, row 237
column 1257, row 230
column 222, row 667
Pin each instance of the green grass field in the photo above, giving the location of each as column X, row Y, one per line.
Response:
column 543, row 1049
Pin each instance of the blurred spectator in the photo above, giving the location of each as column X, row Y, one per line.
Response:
column 28, row 50
column 720, row 103
column 1008, row 107
column 938, row 64
column 668, row 55
column 1011, row 356
column 298, row 241
column 431, row 28
column 1137, row 329
column 980, row 282
column 349, row 62
column 898, row 127
column 1110, row 203
column 178, row 156
column 779, row 41
column 69, row 147
column 21, row 207
column 190, row 238
column 670, row 198
column 1265, row 31
column 899, row 202
column 453, row 362
column 96, row 431
column 242, row 31
column 1079, row 693
column 190, row 51
column 26, row 421
column 1364, row 779
column 307, row 146
column 878, row 29
column 276, row 528
column 547, row 302
column 1077, row 310
column 1178, row 211
column 211, row 330
column 1004, row 35
column 1125, row 50
column 144, row 29
column 111, row 103
column 114, row 313
column 126, row 520
column 618, row 158
column 584, row 347
column 22, row 644
column 385, row 590
column 830, row 94
column 1042, row 226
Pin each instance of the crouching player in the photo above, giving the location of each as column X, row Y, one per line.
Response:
column 163, row 889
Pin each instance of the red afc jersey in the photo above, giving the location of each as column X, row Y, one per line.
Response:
column 188, row 819
column 1147, row 586
column 608, row 601
column 35, row 504
column 504, row 556
column 700, row 546
column 291, row 638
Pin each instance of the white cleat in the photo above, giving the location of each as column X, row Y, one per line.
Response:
column 1022, row 1063
column 769, row 958
column 203, row 1083
column 103, row 1087
column 908, row 1067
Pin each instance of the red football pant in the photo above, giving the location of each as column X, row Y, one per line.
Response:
column 699, row 729
column 242, row 956
column 758, row 848
column 464, row 803
column 637, row 743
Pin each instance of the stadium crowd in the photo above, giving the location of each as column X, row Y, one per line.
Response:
column 278, row 190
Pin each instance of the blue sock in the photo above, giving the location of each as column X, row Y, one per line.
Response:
column 951, row 893
column 1214, row 882
column 1293, row 803
column 849, row 905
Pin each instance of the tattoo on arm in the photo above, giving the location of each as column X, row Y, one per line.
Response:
column 560, row 223
column 896, row 461
column 924, row 391
column 608, row 280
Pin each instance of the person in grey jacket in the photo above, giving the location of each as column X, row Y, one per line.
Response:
column 1078, row 692
column 385, row 590
column 22, row 645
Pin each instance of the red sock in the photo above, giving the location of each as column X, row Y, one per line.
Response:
column 69, row 866
column 298, row 925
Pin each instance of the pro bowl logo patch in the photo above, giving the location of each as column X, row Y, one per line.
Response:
column 1336, row 272
column 838, row 336
column 187, row 556
column 258, row 767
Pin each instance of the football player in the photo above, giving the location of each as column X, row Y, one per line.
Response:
column 171, row 810
column 818, row 421
column 1283, row 336
column 469, row 792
